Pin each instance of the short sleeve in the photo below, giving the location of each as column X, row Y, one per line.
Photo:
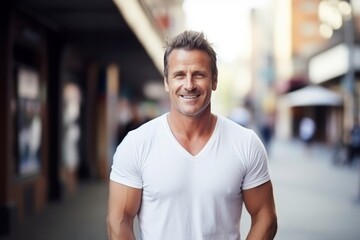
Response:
column 125, row 167
column 257, row 171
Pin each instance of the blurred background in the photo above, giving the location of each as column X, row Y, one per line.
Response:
column 78, row 75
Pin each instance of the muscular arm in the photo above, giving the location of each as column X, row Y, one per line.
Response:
column 259, row 202
column 124, row 204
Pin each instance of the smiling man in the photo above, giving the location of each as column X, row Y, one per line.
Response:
column 187, row 173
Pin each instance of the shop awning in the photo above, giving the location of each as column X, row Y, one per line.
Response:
column 314, row 95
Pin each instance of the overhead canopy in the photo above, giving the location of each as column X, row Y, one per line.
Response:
column 101, row 32
column 314, row 95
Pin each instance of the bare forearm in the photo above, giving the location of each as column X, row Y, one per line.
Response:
column 120, row 231
column 263, row 230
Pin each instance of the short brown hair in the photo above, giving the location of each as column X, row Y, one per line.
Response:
column 190, row 40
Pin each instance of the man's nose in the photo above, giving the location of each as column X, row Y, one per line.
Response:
column 190, row 85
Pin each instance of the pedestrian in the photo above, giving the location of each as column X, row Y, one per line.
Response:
column 307, row 130
column 187, row 173
column 266, row 131
column 241, row 115
column 354, row 144
column 134, row 122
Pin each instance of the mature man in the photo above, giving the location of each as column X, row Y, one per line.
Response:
column 187, row 173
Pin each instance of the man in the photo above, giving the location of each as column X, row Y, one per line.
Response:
column 354, row 144
column 187, row 173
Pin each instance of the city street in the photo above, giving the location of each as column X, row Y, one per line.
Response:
column 315, row 199
column 78, row 75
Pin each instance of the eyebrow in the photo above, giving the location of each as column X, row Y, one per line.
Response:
column 177, row 72
column 194, row 72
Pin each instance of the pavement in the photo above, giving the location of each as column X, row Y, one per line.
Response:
column 315, row 200
column 78, row 217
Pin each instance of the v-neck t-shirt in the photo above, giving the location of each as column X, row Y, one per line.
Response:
column 186, row 196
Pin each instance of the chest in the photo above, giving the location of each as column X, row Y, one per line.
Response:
column 215, row 172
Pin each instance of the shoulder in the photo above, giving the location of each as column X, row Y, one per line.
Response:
column 227, row 125
column 139, row 141
column 148, row 129
column 244, row 138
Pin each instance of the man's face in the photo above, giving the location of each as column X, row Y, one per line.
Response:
column 189, row 81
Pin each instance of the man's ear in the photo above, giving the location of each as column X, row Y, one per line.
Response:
column 214, row 83
column 166, row 84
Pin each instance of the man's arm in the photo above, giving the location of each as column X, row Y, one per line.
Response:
column 259, row 202
column 124, row 204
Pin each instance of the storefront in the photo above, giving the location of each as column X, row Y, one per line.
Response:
column 55, row 100
column 337, row 68
column 322, row 105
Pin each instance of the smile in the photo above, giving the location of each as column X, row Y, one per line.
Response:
column 189, row 96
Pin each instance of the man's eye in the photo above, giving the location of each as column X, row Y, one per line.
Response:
column 199, row 75
column 179, row 75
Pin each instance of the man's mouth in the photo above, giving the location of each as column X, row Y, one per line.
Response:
column 189, row 96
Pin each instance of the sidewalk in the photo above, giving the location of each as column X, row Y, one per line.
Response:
column 315, row 201
column 80, row 217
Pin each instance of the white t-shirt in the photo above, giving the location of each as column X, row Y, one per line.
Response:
column 186, row 196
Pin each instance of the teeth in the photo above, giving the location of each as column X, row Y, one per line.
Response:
column 189, row 96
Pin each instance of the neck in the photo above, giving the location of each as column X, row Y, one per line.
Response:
column 191, row 127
